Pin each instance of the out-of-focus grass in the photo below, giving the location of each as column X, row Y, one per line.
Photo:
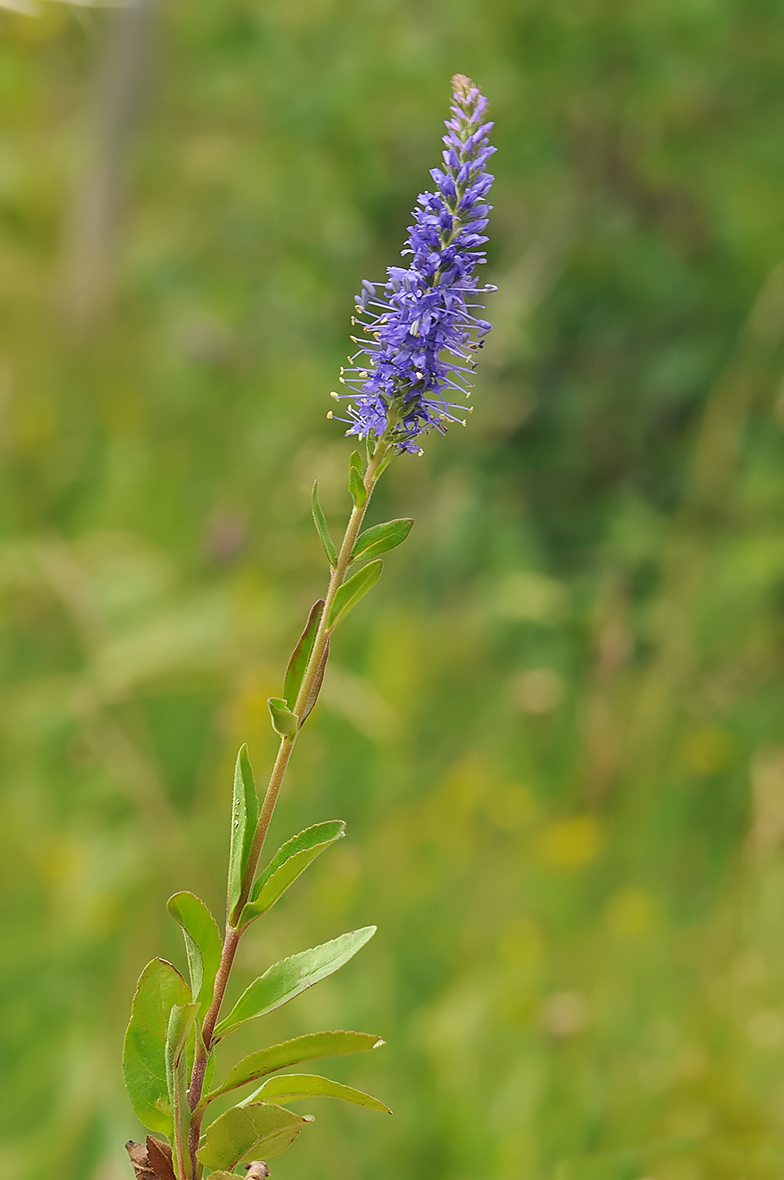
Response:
column 556, row 727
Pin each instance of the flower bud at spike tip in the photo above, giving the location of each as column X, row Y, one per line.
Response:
column 421, row 333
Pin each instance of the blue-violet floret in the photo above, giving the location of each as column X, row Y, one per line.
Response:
column 420, row 333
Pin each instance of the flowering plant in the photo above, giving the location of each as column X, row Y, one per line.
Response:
column 417, row 351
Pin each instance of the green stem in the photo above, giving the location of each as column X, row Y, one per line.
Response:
column 233, row 930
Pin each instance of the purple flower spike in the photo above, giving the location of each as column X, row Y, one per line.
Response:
column 420, row 337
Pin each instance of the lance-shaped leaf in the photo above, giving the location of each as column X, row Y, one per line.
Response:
column 181, row 1021
column 290, row 977
column 301, row 654
column 390, row 455
column 160, row 988
column 306, row 1048
column 381, row 538
column 351, row 591
column 320, row 521
column 356, row 484
column 315, row 687
column 286, row 865
column 203, row 943
column 248, row 1131
column 290, row 1086
column 283, row 720
column 244, row 817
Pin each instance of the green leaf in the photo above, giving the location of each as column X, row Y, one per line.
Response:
column 181, row 1021
column 390, row 455
column 288, row 1087
column 315, row 687
column 290, row 977
column 301, row 654
column 283, row 720
column 160, row 988
column 356, row 484
column 288, row 862
column 247, row 1131
column 355, row 460
column 306, row 1048
column 381, row 538
column 203, row 943
column 351, row 591
column 320, row 521
column 244, row 817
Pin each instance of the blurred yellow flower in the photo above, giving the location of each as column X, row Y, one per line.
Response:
column 571, row 843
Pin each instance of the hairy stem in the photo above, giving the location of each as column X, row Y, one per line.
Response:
column 233, row 929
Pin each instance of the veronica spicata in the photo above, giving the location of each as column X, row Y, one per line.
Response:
column 420, row 333
column 421, row 338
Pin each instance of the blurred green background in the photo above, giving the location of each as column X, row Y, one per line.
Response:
column 556, row 729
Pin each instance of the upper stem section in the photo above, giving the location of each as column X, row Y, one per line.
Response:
column 376, row 463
